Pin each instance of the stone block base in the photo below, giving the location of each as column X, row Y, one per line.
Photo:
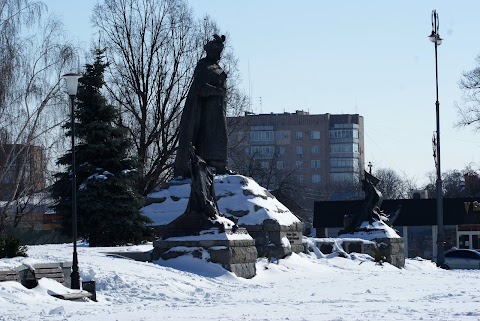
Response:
column 235, row 255
column 393, row 249
column 269, row 238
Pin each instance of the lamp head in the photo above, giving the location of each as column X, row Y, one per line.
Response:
column 72, row 83
column 434, row 36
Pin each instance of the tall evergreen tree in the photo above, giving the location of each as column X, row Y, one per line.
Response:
column 108, row 208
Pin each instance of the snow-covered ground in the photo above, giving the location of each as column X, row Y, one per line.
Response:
column 301, row 287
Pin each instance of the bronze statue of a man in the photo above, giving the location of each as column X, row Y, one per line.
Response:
column 203, row 122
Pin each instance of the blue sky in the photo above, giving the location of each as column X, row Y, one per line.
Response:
column 366, row 57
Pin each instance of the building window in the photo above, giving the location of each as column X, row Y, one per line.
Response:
column 261, row 135
column 315, row 134
column 299, row 164
column 281, row 150
column 315, row 163
column 282, row 134
column 280, row 165
column 344, row 163
column 299, row 179
column 344, row 177
column 450, row 236
column 315, row 149
column 420, row 241
column 344, row 133
column 299, row 135
column 315, row 178
column 299, row 150
column 260, row 152
column 343, row 148
column 264, row 165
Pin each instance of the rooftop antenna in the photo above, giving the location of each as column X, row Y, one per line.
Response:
column 205, row 27
column 249, row 89
column 259, row 99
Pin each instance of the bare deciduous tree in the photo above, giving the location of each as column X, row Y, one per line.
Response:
column 153, row 47
column 468, row 109
column 391, row 185
column 453, row 184
column 34, row 55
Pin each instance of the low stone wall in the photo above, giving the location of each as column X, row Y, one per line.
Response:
column 392, row 249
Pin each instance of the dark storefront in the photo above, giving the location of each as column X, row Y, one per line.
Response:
column 416, row 224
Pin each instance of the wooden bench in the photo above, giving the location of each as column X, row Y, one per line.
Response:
column 29, row 275
column 54, row 272
column 9, row 275
column 72, row 296
column 29, row 278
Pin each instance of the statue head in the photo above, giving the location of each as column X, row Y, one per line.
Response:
column 214, row 47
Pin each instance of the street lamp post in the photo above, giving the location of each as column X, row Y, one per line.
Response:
column 435, row 38
column 72, row 85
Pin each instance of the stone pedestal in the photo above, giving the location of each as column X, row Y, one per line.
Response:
column 275, row 240
column 235, row 251
column 393, row 249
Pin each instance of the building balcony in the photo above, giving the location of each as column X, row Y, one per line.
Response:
column 355, row 155
column 346, row 169
column 344, row 140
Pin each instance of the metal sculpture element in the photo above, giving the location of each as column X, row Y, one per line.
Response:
column 203, row 122
column 371, row 207
column 202, row 211
column 202, row 194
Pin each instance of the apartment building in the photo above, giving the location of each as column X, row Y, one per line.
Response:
column 314, row 149
column 22, row 170
column 22, row 186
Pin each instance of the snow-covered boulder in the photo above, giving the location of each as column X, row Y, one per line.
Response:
column 276, row 230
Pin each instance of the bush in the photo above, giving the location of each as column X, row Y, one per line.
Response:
column 10, row 247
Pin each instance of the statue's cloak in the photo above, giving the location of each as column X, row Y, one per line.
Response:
column 203, row 121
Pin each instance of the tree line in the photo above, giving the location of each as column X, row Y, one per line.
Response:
column 143, row 63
